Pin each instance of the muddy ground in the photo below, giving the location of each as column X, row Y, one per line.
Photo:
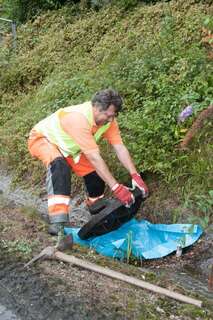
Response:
column 54, row 290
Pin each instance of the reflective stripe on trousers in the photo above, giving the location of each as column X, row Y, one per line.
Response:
column 58, row 184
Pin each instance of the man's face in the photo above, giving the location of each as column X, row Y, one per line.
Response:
column 104, row 116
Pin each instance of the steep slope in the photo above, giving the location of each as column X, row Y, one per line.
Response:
column 154, row 55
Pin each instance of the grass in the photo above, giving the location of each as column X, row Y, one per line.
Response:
column 153, row 54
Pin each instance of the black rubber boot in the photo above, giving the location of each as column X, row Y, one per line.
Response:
column 63, row 241
column 54, row 229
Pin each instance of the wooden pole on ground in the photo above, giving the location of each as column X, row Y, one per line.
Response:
column 117, row 275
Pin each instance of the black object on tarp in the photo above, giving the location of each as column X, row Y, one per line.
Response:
column 109, row 215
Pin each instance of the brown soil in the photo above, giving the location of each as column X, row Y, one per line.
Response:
column 53, row 290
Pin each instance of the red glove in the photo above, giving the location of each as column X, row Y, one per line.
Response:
column 137, row 181
column 123, row 194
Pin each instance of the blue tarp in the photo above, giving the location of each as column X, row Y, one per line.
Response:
column 142, row 239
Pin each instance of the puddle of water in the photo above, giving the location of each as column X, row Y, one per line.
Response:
column 194, row 275
column 78, row 214
column 6, row 314
column 18, row 195
column 191, row 283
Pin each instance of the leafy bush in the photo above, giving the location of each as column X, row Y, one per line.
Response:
column 126, row 4
column 21, row 10
column 153, row 55
column 98, row 4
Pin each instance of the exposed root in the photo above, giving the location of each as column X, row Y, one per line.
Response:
column 197, row 125
column 207, row 38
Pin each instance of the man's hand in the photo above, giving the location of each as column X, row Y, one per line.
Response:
column 137, row 181
column 123, row 194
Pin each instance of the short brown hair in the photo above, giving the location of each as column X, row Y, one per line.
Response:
column 105, row 98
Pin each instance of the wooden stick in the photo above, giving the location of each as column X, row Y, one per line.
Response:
column 117, row 275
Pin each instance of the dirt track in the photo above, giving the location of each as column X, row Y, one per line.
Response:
column 53, row 290
column 34, row 295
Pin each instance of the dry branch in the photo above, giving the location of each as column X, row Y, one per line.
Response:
column 197, row 125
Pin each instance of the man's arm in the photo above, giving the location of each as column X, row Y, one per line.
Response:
column 101, row 168
column 79, row 130
column 120, row 191
column 124, row 157
column 126, row 160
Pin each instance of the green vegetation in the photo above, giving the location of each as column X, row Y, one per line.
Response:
column 22, row 10
column 19, row 246
column 154, row 55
